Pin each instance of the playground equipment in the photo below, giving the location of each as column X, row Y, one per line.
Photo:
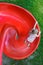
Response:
column 19, row 32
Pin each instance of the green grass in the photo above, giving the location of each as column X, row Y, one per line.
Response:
column 36, row 8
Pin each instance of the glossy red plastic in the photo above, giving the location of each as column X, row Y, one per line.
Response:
column 21, row 22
